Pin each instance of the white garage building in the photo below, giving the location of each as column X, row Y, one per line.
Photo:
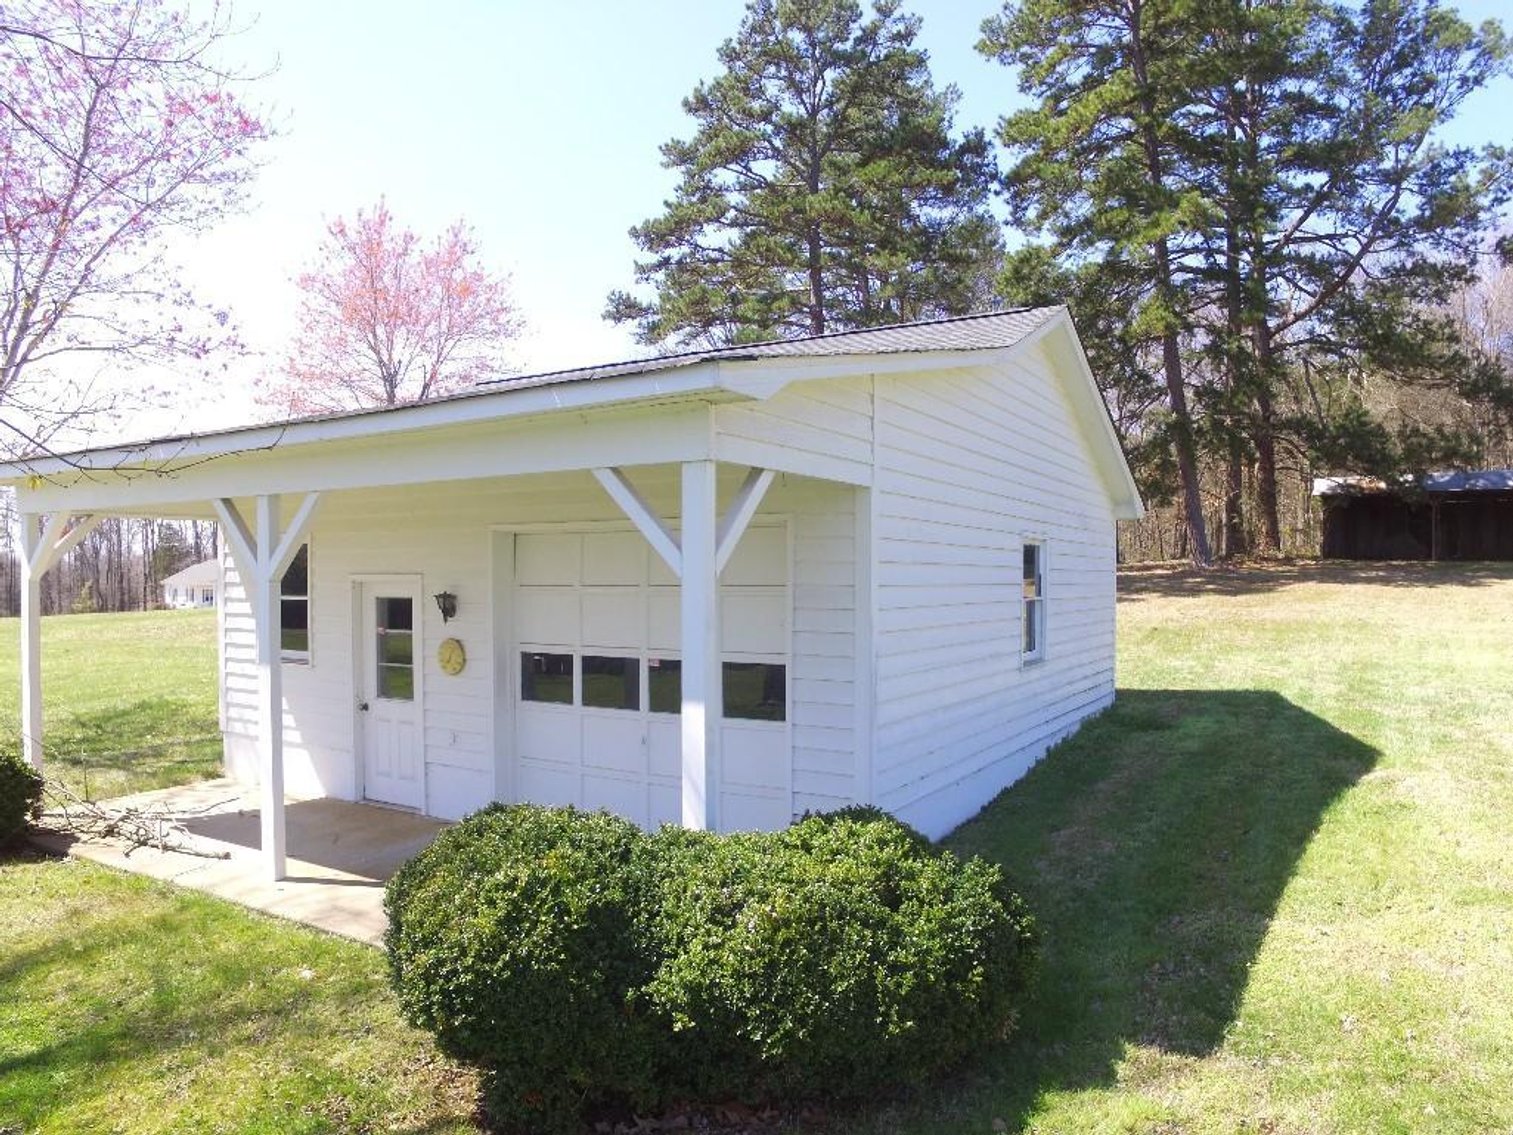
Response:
column 719, row 588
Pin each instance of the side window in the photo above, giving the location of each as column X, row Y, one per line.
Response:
column 294, row 608
column 1033, row 647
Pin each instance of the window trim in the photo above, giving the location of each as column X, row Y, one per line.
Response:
column 304, row 657
column 1033, row 607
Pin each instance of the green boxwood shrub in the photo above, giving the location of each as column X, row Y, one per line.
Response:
column 510, row 938
column 579, row 961
column 20, row 796
column 835, row 959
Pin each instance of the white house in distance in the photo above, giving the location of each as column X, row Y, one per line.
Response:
column 198, row 585
column 718, row 588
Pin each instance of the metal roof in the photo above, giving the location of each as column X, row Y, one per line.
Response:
column 1447, row 481
column 983, row 331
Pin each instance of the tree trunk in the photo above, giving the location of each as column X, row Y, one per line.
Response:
column 1187, row 450
column 1266, row 446
column 816, row 283
column 1166, row 295
column 1234, row 504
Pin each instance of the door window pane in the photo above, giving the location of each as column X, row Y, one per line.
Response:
column 396, row 614
column 611, row 683
column 756, row 691
column 397, row 648
column 664, row 685
column 546, row 677
column 395, row 653
column 397, row 683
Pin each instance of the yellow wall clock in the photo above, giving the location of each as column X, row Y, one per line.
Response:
column 451, row 657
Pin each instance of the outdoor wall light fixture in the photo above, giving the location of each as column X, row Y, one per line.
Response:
column 446, row 603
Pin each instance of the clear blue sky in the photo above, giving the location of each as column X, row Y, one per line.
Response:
column 537, row 122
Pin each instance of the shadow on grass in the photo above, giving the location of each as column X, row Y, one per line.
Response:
column 1181, row 582
column 1153, row 847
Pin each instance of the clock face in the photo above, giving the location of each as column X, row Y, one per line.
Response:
column 451, row 657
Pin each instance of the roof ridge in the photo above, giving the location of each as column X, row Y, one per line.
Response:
column 740, row 348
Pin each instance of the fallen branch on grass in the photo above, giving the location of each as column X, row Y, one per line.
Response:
column 151, row 825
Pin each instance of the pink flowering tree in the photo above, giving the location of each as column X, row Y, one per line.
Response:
column 386, row 319
column 119, row 133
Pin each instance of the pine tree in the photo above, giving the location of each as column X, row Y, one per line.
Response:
column 1265, row 182
column 1097, row 168
column 822, row 187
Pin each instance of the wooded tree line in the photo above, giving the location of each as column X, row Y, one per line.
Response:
column 120, row 566
column 1276, row 264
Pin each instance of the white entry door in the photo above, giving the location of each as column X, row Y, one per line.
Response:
column 389, row 731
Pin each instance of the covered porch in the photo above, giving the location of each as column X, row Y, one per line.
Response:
column 410, row 493
column 340, row 853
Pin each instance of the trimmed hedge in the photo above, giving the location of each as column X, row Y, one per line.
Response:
column 20, row 796
column 510, row 938
column 581, row 962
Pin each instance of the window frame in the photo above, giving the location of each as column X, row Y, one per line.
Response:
column 1033, row 607
column 304, row 657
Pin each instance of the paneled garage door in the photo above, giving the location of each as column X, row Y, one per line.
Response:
column 598, row 677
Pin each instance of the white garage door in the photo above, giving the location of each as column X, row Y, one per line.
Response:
column 598, row 683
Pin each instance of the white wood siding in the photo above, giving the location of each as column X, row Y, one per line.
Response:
column 445, row 533
column 970, row 464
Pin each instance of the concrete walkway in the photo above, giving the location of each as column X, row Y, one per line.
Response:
column 340, row 854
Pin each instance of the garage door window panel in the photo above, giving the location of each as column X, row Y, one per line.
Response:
column 611, row 682
column 546, row 677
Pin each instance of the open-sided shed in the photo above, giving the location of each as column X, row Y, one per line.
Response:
column 1440, row 516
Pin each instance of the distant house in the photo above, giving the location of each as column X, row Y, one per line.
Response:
column 198, row 585
column 720, row 588
column 1439, row 516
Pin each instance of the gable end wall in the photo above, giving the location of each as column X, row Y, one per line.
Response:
column 970, row 463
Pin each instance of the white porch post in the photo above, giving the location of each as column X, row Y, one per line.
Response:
column 31, row 642
column 703, row 699
column 41, row 547
column 697, row 556
column 263, row 594
column 261, row 556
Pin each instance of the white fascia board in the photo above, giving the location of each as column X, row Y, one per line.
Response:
column 762, row 378
column 647, row 434
column 505, row 405
column 1065, row 349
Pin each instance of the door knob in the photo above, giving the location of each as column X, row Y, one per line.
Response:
column 362, row 705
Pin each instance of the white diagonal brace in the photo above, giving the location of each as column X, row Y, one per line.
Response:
column 748, row 499
column 294, row 536
column 83, row 526
column 239, row 540
column 40, row 556
column 649, row 523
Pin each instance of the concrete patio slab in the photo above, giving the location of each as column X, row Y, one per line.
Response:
column 340, row 853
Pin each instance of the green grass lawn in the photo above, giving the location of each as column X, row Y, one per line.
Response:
column 1275, row 881
column 131, row 1006
column 129, row 700
column 1275, row 885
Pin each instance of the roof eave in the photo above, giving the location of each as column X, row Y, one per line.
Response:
column 692, row 381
